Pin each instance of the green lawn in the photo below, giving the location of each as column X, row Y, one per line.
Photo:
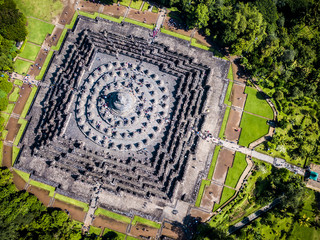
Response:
column 177, row 35
column 234, row 173
column 28, row 103
column 4, row 134
column 18, row 82
column 203, row 185
column 131, row 238
column 118, row 20
column 136, row 4
column 89, row 15
column 10, row 107
column 14, row 95
column 155, row 9
column 145, row 222
column 15, row 152
column 43, row 9
column 138, row 23
column 30, row 51
column 38, row 30
column 44, row 186
column 20, row 132
column 95, row 230
column 213, row 162
column 224, row 123
column 228, row 93
column 21, row 66
column 110, row 234
column 227, row 193
column 72, row 201
column 112, row 215
column 230, row 73
column 45, row 65
column 125, row 3
column 25, row 176
column 5, row 118
column 252, row 128
column 256, row 103
column 145, row 6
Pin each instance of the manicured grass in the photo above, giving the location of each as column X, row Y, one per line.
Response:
column 21, row 130
column 228, row 93
column 224, row 123
column 177, row 35
column 10, row 108
column 203, row 185
column 213, row 162
column 18, row 82
column 118, row 20
column 234, row 173
column 95, row 230
column 138, row 23
column 21, row 66
column 136, row 4
column 75, row 202
column 43, row 9
column 230, row 73
column 45, row 65
column 43, row 186
column 15, row 152
column 25, row 176
column 145, row 222
column 155, row 9
column 132, row 238
column 4, row 134
column 30, row 51
column 89, row 15
column 112, row 215
column 257, row 104
column 253, row 128
column 14, row 95
column 28, row 103
column 109, row 232
column 38, row 30
column 125, row 3
column 57, row 47
column 5, row 118
column 227, row 193
column 145, row 6
column 74, row 18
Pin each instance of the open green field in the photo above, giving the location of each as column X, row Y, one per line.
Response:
column 125, row 3
column 72, row 201
column 138, row 23
column 136, row 4
column 25, row 176
column 110, row 234
column 95, row 230
column 23, row 125
column 43, row 186
column 257, row 104
column 45, row 65
column 213, row 162
column 18, row 82
column 145, row 6
column 10, row 107
column 227, row 193
column 252, row 128
column 14, row 95
column 177, row 35
column 15, row 152
column 224, row 123
column 145, row 222
column 21, row 66
column 28, row 103
column 203, row 185
column 30, row 51
column 38, row 30
column 43, row 9
column 112, row 215
column 234, row 173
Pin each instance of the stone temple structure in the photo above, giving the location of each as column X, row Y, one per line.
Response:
column 122, row 113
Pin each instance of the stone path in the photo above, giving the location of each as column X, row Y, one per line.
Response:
column 92, row 208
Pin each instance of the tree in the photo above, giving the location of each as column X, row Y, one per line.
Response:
column 202, row 15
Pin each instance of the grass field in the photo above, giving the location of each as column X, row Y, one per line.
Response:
column 95, row 230
column 5, row 118
column 10, row 107
column 118, row 20
column 234, row 173
column 131, row 238
column 230, row 73
column 145, row 222
column 15, row 152
column 14, row 95
column 43, row 9
column 253, row 128
column 125, row 3
column 256, row 103
column 136, row 4
column 224, row 123
column 227, row 193
column 45, row 65
column 21, row 66
column 155, row 9
column 138, row 23
column 43, row 186
column 4, row 134
column 110, row 234
column 38, row 30
column 21, row 130
column 145, row 6
column 89, row 15
column 18, row 82
column 30, row 52
column 228, row 93
column 25, row 176
column 177, row 35
column 203, row 185
column 213, row 162
column 75, row 202
column 28, row 103
column 112, row 215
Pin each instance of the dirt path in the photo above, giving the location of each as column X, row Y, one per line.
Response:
column 24, row 95
column 13, row 127
column 41, row 194
column 105, row 222
column 7, row 156
column 76, row 213
column 18, row 181
column 142, row 231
